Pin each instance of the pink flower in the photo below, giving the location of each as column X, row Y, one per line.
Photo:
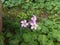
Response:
column 32, row 22
column 24, row 23
column 34, row 18
column 34, row 26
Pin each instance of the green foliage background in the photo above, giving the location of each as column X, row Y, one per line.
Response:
column 48, row 14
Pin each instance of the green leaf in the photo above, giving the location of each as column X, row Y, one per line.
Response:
column 33, row 43
column 24, row 43
column 14, row 42
column 27, row 37
column 50, row 42
column 44, row 29
column 42, row 39
column 9, row 34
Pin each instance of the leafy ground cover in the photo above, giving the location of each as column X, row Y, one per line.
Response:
column 48, row 20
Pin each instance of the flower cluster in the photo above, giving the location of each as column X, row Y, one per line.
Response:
column 32, row 23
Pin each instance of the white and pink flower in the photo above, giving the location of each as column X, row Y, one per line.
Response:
column 33, row 25
column 24, row 23
column 33, row 22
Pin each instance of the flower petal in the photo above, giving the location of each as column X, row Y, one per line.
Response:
column 22, row 25
column 25, row 21
column 25, row 26
column 22, row 21
column 32, row 22
column 32, row 27
column 34, row 18
column 35, row 28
